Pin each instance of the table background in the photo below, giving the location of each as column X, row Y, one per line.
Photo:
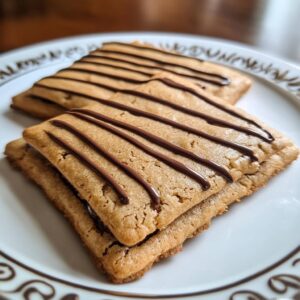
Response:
column 271, row 25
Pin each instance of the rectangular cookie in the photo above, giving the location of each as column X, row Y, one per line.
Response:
column 221, row 81
column 148, row 155
column 118, row 66
column 121, row 263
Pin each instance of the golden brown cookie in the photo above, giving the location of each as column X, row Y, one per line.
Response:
column 148, row 155
column 118, row 66
column 121, row 263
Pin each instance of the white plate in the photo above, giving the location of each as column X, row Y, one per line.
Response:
column 253, row 251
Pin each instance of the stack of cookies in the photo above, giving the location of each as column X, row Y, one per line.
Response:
column 141, row 149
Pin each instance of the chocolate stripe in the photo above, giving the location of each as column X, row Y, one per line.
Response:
column 173, row 84
column 242, row 149
column 98, row 73
column 168, row 53
column 97, row 84
column 218, row 83
column 113, row 66
column 155, row 139
column 128, row 170
column 95, row 168
column 182, row 87
column 169, row 161
column 140, row 47
column 224, row 80
column 209, row 119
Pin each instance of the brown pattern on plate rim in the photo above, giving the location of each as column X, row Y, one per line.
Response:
column 281, row 77
column 269, row 71
column 272, row 282
column 44, row 59
column 278, row 284
column 28, row 288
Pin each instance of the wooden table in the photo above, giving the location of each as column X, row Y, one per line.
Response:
column 271, row 25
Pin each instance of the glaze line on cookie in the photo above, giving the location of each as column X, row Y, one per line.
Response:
column 240, row 148
column 81, row 113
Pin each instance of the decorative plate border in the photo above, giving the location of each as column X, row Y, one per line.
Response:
column 269, row 71
column 282, row 77
column 49, row 287
column 42, row 284
column 22, row 67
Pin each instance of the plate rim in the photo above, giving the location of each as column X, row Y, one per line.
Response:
column 159, row 35
column 285, row 74
column 236, row 283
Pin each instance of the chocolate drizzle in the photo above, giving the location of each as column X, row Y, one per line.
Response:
column 176, row 85
column 97, row 84
column 220, row 80
column 100, row 150
column 80, row 113
column 182, row 87
column 102, row 64
column 116, row 77
column 224, row 81
column 209, row 119
column 214, row 82
column 169, row 161
column 242, row 149
column 95, row 168
column 141, row 47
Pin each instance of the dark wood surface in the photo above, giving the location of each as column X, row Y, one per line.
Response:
column 271, row 25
